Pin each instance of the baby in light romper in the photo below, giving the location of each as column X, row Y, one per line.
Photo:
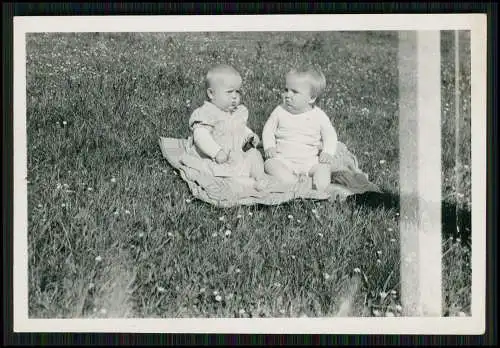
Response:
column 298, row 138
column 220, row 132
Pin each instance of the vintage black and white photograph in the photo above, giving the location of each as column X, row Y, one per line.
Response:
column 260, row 172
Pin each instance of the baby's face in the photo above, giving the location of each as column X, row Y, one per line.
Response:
column 297, row 95
column 225, row 93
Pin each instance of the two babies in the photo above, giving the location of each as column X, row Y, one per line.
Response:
column 298, row 138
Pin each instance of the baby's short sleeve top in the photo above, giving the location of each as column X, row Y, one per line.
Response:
column 228, row 130
column 208, row 115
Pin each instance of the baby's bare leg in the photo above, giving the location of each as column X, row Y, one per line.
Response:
column 277, row 169
column 321, row 176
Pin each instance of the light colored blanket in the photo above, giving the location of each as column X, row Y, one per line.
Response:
column 227, row 192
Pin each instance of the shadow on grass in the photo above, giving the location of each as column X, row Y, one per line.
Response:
column 455, row 221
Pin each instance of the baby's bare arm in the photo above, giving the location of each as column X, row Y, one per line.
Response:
column 205, row 142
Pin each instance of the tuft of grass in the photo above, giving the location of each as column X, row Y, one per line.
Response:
column 113, row 231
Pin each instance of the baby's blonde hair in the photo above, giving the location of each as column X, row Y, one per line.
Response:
column 314, row 76
column 218, row 72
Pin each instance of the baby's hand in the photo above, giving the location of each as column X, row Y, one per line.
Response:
column 326, row 158
column 270, row 153
column 221, row 157
column 255, row 140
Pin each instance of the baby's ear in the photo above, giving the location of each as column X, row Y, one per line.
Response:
column 210, row 93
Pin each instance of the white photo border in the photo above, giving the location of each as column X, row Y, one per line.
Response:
column 476, row 23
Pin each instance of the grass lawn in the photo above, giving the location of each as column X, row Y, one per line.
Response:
column 113, row 231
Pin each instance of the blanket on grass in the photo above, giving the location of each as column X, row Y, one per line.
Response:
column 228, row 192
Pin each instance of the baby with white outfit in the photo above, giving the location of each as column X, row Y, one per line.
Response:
column 298, row 138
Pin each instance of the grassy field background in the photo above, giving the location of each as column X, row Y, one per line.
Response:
column 114, row 232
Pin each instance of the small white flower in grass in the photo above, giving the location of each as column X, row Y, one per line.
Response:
column 89, row 188
column 227, row 233
column 389, row 314
column 98, row 258
column 250, row 213
column 91, row 286
column 64, row 123
column 397, row 214
column 379, row 261
column 218, row 298
column 393, row 240
column 116, row 212
column 237, row 270
column 376, row 312
column 379, row 252
column 320, row 235
column 170, row 234
column 127, row 212
column 383, row 294
column 357, row 270
column 293, row 257
column 366, row 153
column 214, row 234
column 215, row 292
column 58, row 186
column 188, row 200
column 326, row 276
column 390, row 229
column 40, row 206
column 393, row 292
column 241, row 311
column 299, row 221
column 239, row 216
column 63, row 205
column 221, row 218
column 202, row 290
column 314, row 211
column 458, row 240
column 160, row 289
column 141, row 234
column 399, row 308
column 113, row 180
column 382, row 161
column 276, row 284
column 290, row 217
